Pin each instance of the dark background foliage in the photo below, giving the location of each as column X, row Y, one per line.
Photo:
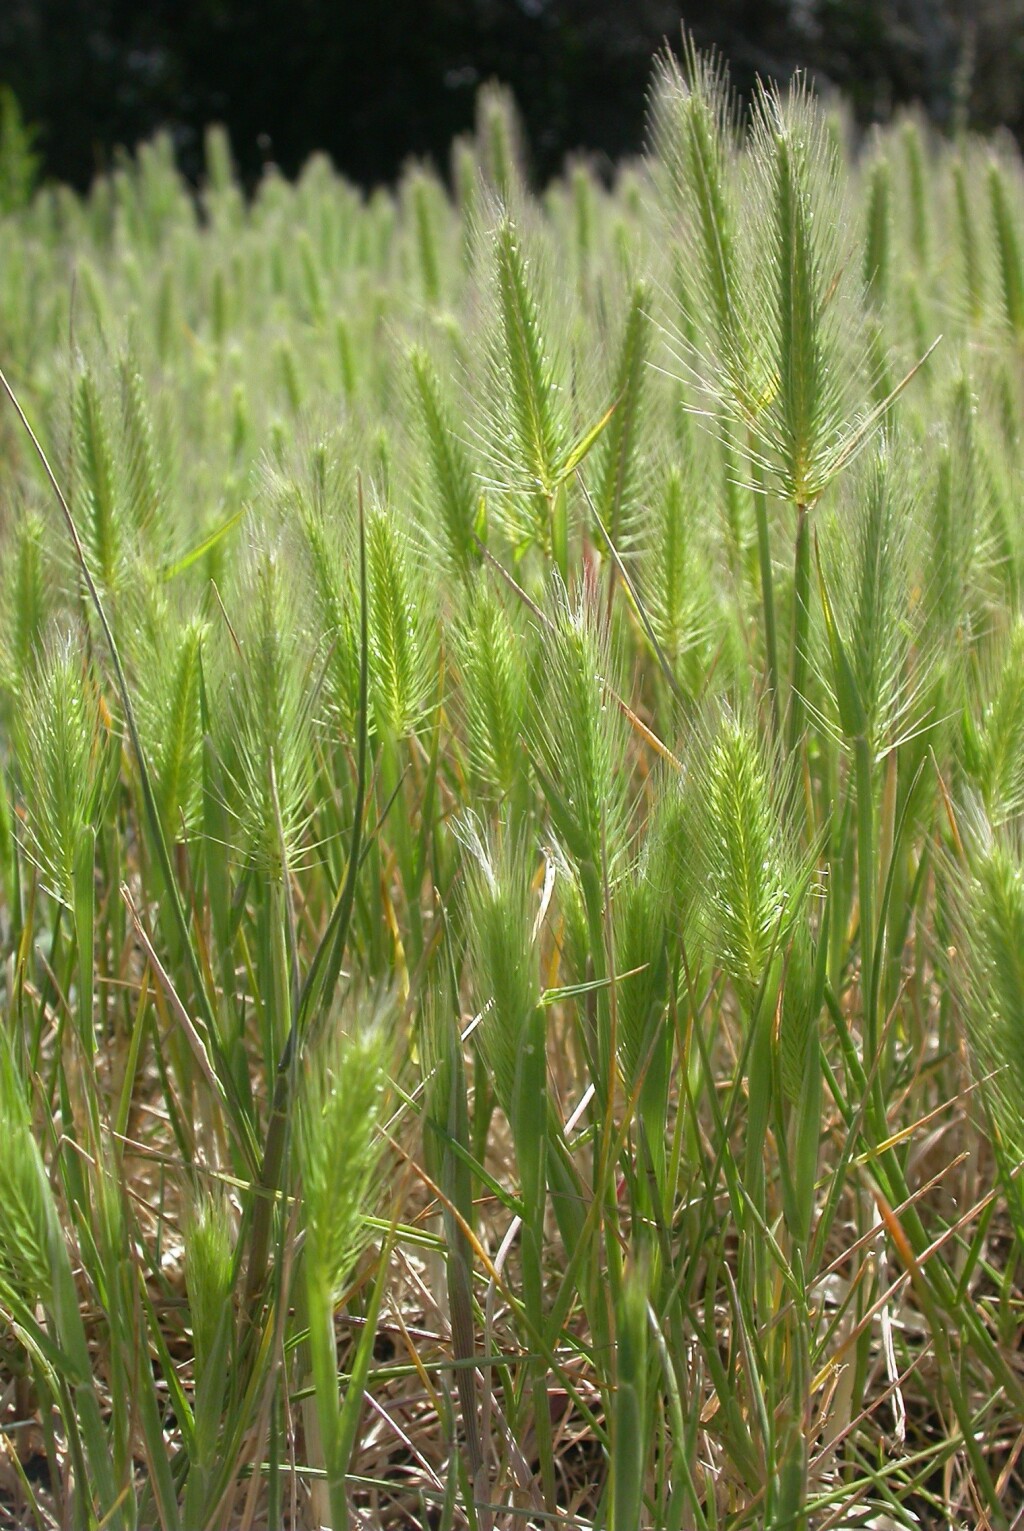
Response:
column 374, row 82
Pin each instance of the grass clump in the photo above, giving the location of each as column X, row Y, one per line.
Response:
column 510, row 837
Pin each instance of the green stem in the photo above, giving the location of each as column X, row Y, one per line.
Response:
column 866, row 884
column 793, row 1459
column 391, row 790
column 324, row 1362
column 529, row 1116
column 758, row 1114
column 764, row 557
column 801, row 613
column 532, row 1241
column 593, row 900
column 604, row 1081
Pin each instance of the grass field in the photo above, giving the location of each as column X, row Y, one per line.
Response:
column 512, row 918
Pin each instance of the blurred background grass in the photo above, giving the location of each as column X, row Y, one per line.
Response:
column 373, row 84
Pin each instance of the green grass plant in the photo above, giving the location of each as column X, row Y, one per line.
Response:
column 511, row 813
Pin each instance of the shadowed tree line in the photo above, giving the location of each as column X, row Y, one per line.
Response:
column 373, row 84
